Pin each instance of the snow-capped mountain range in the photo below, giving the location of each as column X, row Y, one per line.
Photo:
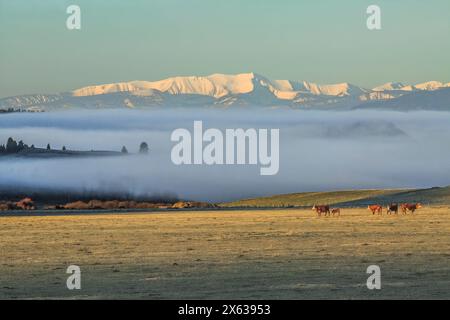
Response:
column 246, row 89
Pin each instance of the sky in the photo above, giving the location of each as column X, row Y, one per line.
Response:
column 324, row 41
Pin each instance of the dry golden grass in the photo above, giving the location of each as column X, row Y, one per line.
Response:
column 227, row 254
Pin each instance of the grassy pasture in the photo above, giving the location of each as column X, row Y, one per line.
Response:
column 288, row 254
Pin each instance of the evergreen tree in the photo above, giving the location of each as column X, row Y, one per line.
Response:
column 48, row 146
column 143, row 148
column 20, row 146
column 124, row 150
column 11, row 146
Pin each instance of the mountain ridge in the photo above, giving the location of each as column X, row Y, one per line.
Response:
column 223, row 90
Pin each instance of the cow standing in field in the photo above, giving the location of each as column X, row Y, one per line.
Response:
column 375, row 208
column 321, row 209
column 392, row 208
column 410, row 207
column 336, row 211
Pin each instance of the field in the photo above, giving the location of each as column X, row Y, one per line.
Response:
column 288, row 253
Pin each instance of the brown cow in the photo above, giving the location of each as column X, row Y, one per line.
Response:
column 410, row 207
column 393, row 207
column 375, row 208
column 321, row 209
column 336, row 211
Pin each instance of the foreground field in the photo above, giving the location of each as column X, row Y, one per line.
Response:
column 257, row 254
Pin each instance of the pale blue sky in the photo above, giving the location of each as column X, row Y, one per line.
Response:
column 316, row 40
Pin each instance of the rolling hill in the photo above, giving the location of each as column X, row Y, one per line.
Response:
column 349, row 198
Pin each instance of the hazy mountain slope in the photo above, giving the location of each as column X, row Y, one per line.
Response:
column 438, row 100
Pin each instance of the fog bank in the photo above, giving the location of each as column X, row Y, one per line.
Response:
column 318, row 151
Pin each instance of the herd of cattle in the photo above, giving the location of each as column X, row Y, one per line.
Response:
column 375, row 208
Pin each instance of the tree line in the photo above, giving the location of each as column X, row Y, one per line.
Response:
column 12, row 146
column 143, row 148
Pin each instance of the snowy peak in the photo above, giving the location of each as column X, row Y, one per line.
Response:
column 428, row 86
column 389, row 86
column 339, row 90
column 216, row 85
column 106, row 88
column 221, row 85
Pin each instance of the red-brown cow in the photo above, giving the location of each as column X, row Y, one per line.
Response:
column 321, row 209
column 336, row 211
column 375, row 208
column 410, row 207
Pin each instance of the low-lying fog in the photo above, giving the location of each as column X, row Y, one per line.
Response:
column 318, row 151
